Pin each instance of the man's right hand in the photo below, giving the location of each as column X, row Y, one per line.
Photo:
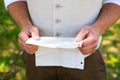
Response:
column 24, row 35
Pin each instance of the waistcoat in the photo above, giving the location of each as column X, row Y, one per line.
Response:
column 62, row 18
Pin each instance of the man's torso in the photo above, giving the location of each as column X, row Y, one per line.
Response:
column 63, row 17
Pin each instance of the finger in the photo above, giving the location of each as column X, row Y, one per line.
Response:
column 32, row 50
column 23, row 36
column 82, row 34
column 35, row 33
column 87, row 48
column 89, row 51
column 29, row 48
column 23, row 44
column 89, row 41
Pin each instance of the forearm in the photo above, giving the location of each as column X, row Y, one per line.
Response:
column 109, row 14
column 19, row 12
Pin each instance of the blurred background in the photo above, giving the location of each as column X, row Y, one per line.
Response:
column 11, row 64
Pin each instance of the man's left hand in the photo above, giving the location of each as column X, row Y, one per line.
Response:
column 90, row 36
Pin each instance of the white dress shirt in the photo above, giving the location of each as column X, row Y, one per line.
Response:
column 62, row 18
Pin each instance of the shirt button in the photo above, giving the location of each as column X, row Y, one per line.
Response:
column 58, row 6
column 58, row 20
column 57, row 34
column 81, row 62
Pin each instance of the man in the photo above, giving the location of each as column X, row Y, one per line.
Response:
column 55, row 18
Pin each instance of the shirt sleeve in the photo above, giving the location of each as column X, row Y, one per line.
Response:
column 8, row 2
column 112, row 1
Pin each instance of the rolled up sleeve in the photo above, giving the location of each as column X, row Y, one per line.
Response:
column 8, row 2
column 112, row 1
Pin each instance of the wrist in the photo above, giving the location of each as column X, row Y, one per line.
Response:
column 98, row 28
column 24, row 27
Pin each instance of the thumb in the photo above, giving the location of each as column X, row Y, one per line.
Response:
column 35, row 33
column 82, row 34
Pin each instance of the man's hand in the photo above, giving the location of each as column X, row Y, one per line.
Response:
column 109, row 14
column 24, row 35
column 90, row 36
column 19, row 12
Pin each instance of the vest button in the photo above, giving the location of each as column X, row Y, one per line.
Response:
column 58, row 6
column 58, row 20
column 58, row 34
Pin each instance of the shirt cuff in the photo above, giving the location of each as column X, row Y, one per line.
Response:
column 8, row 2
column 112, row 1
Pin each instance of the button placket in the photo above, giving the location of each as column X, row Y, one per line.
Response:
column 56, row 17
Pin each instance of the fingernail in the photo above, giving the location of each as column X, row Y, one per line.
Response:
column 77, row 39
column 37, row 38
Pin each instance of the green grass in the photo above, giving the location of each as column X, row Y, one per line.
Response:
column 110, row 49
column 11, row 64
